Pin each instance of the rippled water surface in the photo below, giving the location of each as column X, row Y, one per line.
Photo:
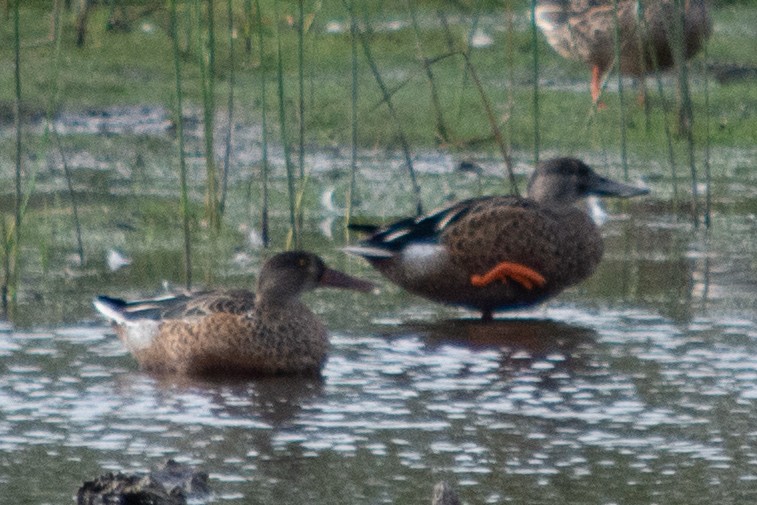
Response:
column 638, row 386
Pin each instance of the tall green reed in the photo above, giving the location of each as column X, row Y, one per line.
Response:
column 264, row 226
column 621, row 95
column 535, row 72
column 293, row 238
column 686, row 111
column 441, row 130
column 390, row 107
column 350, row 199
column 205, row 42
column 13, row 239
column 707, row 146
column 179, row 120
column 52, row 106
column 301, row 110
column 499, row 138
column 229, row 106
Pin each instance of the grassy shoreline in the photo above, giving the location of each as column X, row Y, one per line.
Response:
column 134, row 67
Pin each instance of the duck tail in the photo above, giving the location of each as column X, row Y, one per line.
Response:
column 368, row 251
column 112, row 308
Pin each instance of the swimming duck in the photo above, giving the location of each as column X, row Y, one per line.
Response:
column 233, row 331
column 585, row 30
column 499, row 252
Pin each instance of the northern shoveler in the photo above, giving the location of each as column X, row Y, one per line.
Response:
column 499, row 252
column 585, row 30
column 235, row 331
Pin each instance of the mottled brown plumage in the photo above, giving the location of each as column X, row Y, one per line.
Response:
column 440, row 256
column 233, row 331
column 585, row 30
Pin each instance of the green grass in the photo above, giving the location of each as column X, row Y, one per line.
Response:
column 135, row 67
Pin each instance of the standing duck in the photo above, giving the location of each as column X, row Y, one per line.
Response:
column 499, row 252
column 234, row 332
column 585, row 30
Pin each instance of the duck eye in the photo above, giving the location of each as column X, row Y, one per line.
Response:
column 302, row 263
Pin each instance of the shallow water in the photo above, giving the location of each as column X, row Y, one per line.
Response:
column 638, row 386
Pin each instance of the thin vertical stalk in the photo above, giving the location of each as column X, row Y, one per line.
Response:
column 230, row 106
column 353, row 116
column 301, row 105
column 179, row 119
column 441, row 127
column 294, row 231
column 535, row 94
column 669, row 139
column 72, row 195
column 510, row 66
column 617, row 48
column 206, row 51
column 707, row 171
column 686, row 117
column 11, row 274
column 468, row 42
column 665, row 110
column 264, row 128
column 301, row 83
column 52, row 105
column 496, row 131
column 248, row 27
column 392, row 112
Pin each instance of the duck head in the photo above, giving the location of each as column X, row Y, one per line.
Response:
column 565, row 181
column 287, row 275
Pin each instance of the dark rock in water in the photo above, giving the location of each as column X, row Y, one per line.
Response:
column 444, row 495
column 169, row 485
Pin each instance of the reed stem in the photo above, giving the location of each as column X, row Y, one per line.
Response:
column 621, row 95
column 392, row 112
column 264, row 227
column 301, row 106
column 52, row 105
column 707, row 168
column 11, row 273
column 353, row 117
column 179, row 120
column 230, row 106
column 207, row 77
column 293, row 230
column 493, row 124
column 535, row 94
column 686, row 113
column 440, row 131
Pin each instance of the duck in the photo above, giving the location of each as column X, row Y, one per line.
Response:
column 234, row 332
column 498, row 252
column 585, row 30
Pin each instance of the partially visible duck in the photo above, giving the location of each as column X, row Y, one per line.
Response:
column 233, row 331
column 585, row 30
column 499, row 252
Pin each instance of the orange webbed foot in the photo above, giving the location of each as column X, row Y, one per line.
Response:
column 505, row 270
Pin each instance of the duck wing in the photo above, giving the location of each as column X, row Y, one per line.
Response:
column 387, row 241
column 176, row 306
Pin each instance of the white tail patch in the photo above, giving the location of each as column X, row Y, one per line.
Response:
column 369, row 252
column 420, row 260
column 109, row 311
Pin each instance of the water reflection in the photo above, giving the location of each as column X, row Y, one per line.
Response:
column 542, row 345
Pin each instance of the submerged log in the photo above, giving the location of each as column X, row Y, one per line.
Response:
column 171, row 484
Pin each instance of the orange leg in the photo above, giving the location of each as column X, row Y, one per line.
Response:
column 521, row 274
column 596, row 87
